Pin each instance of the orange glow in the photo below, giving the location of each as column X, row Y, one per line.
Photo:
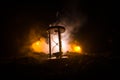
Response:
column 40, row 46
column 77, row 48
column 36, row 46
column 38, row 43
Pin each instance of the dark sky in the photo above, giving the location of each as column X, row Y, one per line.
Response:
column 95, row 35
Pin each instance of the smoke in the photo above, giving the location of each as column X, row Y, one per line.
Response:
column 34, row 41
column 72, row 20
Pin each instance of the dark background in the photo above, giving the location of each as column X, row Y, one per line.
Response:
column 95, row 35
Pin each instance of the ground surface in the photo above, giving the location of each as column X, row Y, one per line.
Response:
column 87, row 67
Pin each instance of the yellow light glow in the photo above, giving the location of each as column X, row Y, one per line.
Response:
column 38, row 43
column 77, row 49
column 40, row 46
column 36, row 46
